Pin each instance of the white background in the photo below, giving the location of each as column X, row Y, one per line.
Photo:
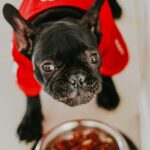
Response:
column 125, row 118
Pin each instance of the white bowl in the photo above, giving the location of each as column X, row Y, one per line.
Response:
column 68, row 126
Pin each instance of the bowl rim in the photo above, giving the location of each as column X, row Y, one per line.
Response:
column 121, row 143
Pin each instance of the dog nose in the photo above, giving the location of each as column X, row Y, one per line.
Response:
column 77, row 80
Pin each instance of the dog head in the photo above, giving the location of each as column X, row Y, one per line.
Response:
column 64, row 53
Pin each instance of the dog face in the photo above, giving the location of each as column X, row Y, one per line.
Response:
column 66, row 62
column 64, row 54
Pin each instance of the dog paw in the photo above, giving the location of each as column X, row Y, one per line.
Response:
column 109, row 102
column 30, row 128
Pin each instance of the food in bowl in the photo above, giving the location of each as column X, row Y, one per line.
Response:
column 85, row 134
column 83, row 138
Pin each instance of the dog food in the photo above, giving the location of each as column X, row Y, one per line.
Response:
column 83, row 138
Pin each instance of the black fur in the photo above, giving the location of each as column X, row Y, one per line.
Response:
column 31, row 126
column 115, row 8
column 108, row 98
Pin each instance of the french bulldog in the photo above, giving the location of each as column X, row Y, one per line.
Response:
column 66, row 60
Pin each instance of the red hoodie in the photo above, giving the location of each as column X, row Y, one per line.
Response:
column 112, row 46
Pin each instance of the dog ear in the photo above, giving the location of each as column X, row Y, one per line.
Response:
column 115, row 8
column 91, row 18
column 24, row 31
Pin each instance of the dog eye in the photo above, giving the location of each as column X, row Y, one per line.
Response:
column 48, row 67
column 94, row 59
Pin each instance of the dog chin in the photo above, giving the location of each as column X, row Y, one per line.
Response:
column 78, row 100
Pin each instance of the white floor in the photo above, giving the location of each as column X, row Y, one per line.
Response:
column 125, row 118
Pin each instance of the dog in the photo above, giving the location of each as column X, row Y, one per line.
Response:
column 57, row 48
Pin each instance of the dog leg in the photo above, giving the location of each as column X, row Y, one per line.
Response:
column 108, row 98
column 31, row 126
column 115, row 8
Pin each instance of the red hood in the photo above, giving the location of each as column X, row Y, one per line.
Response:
column 112, row 46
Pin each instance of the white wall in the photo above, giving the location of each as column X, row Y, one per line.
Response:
column 144, row 41
column 147, row 64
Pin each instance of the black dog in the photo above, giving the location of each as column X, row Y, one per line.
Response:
column 65, row 56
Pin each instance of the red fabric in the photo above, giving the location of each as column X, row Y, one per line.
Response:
column 112, row 46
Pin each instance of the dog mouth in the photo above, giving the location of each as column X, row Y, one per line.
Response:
column 77, row 100
column 74, row 96
column 79, row 97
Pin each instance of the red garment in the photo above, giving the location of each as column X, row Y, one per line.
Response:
column 112, row 47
